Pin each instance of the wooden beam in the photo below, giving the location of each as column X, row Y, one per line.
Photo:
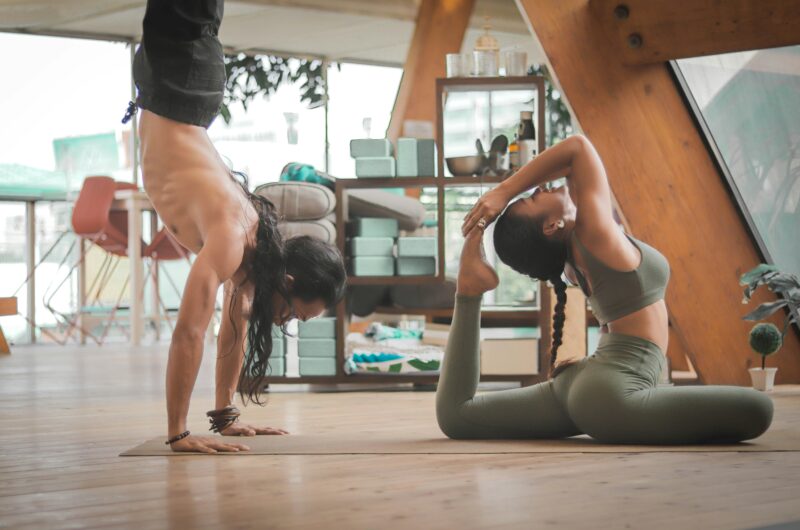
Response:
column 439, row 30
column 667, row 185
column 654, row 31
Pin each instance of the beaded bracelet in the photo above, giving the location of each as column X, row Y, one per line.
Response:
column 221, row 419
column 174, row 439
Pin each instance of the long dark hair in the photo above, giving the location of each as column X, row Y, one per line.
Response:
column 521, row 244
column 318, row 272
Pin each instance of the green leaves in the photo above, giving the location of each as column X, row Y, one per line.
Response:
column 786, row 286
column 756, row 273
column 250, row 76
column 765, row 310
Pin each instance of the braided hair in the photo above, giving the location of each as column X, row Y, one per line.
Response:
column 540, row 258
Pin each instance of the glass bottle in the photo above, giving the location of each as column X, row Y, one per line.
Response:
column 526, row 137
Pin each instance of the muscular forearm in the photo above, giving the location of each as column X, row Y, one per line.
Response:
column 551, row 164
column 230, row 356
column 185, row 355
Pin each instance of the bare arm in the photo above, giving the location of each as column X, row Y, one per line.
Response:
column 230, row 346
column 577, row 160
column 216, row 262
column 230, row 356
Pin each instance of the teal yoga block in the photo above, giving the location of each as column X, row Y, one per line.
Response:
column 416, row 157
column 278, row 348
column 277, row 367
column 416, row 266
column 373, row 227
column 367, row 147
column 372, row 266
column 371, row 246
column 316, row 347
column 317, row 366
column 317, row 328
column 416, row 247
column 376, row 167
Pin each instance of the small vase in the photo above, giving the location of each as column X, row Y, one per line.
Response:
column 763, row 378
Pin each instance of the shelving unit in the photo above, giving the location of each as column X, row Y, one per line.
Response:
column 519, row 316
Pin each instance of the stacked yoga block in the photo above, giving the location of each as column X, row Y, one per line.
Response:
column 371, row 246
column 277, row 359
column 371, row 250
column 316, row 346
column 416, row 256
column 375, row 157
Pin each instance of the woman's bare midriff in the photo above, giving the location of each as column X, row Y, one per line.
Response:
column 649, row 323
column 187, row 182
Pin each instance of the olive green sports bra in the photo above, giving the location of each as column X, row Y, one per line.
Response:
column 615, row 294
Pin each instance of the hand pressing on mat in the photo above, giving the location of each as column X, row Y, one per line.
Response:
column 243, row 429
column 202, row 444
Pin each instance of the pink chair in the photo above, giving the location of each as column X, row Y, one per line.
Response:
column 94, row 220
column 164, row 247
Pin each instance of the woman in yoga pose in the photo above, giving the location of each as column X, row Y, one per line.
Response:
column 180, row 75
column 612, row 395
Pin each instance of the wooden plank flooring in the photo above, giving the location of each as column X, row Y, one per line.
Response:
column 68, row 411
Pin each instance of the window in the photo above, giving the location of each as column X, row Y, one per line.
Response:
column 749, row 104
column 271, row 133
column 360, row 102
column 60, row 109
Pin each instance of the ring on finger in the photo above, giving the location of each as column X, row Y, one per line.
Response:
column 482, row 223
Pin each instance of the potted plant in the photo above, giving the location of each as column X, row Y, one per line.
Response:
column 766, row 339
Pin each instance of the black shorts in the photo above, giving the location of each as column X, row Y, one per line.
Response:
column 179, row 68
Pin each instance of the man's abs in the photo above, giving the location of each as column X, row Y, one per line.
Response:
column 189, row 186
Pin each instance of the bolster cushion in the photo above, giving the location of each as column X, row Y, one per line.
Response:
column 408, row 211
column 299, row 201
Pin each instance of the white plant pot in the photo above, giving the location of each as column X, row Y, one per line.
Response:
column 763, row 378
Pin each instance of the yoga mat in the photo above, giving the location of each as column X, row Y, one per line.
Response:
column 774, row 440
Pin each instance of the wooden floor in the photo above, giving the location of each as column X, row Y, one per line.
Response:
column 68, row 411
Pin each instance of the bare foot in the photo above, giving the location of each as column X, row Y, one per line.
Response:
column 475, row 275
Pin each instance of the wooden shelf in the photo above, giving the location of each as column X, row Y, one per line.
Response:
column 488, row 84
column 490, row 317
column 472, row 181
column 490, row 312
column 416, row 182
column 506, row 317
column 392, row 280
column 388, row 182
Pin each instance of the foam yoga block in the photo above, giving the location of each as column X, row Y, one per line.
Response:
column 416, row 157
column 316, row 347
column 416, row 247
column 373, row 227
column 317, row 328
column 366, row 147
column 278, row 348
column 317, row 366
column 416, row 266
column 371, row 266
column 375, row 166
column 277, row 366
column 371, row 246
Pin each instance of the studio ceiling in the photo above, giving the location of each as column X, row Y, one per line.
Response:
column 376, row 31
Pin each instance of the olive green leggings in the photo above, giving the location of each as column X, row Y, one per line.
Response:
column 612, row 396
